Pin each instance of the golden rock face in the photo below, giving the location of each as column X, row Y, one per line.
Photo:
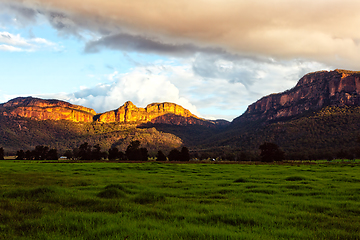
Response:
column 129, row 113
column 52, row 113
column 40, row 109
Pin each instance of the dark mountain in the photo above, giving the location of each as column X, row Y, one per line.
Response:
column 313, row 92
column 318, row 118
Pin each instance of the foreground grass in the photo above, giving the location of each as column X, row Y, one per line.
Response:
column 178, row 201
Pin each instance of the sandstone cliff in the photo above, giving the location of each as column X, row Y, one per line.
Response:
column 167, row 113
column 40, row 109
column 313, row 91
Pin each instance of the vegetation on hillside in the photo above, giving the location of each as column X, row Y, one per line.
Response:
column 316, row 135
column 326, row 134
column 26, row 134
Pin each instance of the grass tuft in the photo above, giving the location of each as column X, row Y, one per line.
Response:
column 148, row 198
column 295, row 178
column 30, row 194
column 240, row 180
column 111, row 193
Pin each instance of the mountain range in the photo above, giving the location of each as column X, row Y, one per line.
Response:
column 318, row 117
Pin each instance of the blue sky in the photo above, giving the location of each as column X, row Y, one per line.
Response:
column 212, row 57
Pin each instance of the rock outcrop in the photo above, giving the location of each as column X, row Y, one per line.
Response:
column 40, row 109
column 129, row 113
column 313, row 92
column 165, row 113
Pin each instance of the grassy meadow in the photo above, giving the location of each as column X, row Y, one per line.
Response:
column 179, row 201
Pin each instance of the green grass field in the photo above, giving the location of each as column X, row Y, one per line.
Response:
column 179, row 201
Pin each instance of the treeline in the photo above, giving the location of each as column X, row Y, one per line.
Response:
column 267, row 152
column 39, row 153
column 87, row 152
column 2, row 153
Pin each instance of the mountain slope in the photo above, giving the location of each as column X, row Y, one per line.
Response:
column 320, row 116
column 27, row 122
column 313, row 135
column 26, row 133
column 313, row 92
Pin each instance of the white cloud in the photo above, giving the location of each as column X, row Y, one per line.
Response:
column 16, row 43
column 212, row 96
column 225, row 92
column 142, row 86
column 7, row 48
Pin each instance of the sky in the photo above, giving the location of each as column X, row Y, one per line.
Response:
column 213, row 57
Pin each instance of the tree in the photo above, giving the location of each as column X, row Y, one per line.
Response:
column 96, row 152
column 28, row 155
column 85, row 151
column 2, row 153
column 174, row 155
column 40, row 152
column 271, row 152
column 160, row 156
column 20, row 155
column 133, row 152
column 144, row 154
column 113, row 153
column 122, row 155
column 52, row 154
column 76, row 153
column 68, row 154
column 184, row 154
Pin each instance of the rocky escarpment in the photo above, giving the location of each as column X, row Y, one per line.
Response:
column 159, row 113
column 166, row 113
column 40, row 109
column 313, row 92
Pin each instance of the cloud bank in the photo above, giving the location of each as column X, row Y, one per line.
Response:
column 228, row 53
column 220, row 94
column 323, row 30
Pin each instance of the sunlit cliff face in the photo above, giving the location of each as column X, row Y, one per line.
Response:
column 40, row 109
column 130, row 113
column 168, row 113
column 52, row 113
column 314, row 91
